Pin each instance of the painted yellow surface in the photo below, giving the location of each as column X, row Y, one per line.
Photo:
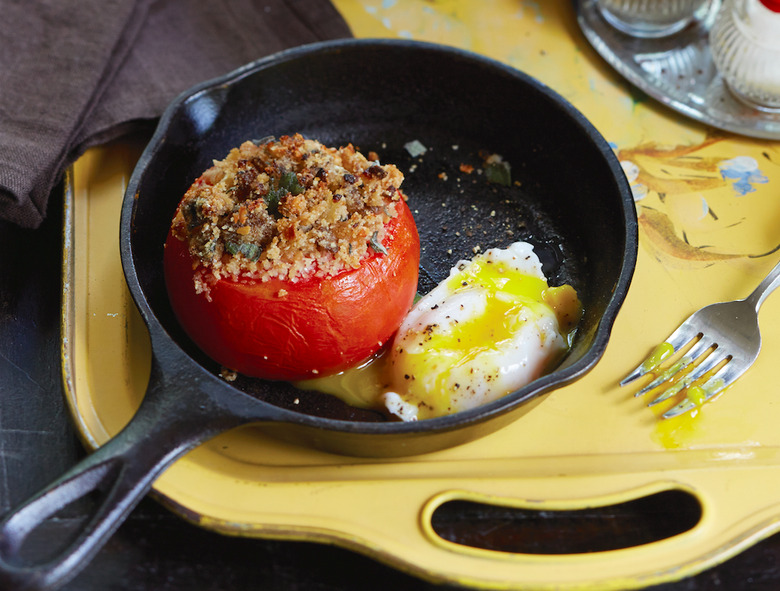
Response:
column 709, row 212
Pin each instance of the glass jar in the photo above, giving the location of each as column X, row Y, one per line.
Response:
column 651, row 18
column 745, row 45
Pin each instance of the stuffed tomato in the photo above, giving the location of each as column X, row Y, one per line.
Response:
column 289, row 260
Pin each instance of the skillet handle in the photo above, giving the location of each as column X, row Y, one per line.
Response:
column 122, row 471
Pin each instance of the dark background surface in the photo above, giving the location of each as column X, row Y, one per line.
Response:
column 156, row 550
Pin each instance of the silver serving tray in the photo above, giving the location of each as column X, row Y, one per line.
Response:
column 678, row 71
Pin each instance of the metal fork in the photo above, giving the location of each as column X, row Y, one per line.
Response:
column 725, row 334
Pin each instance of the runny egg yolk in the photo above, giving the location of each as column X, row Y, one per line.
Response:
column 508, row 292
column 488, row 329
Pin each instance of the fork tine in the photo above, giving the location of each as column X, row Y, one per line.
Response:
column 674, row 389
column 670, row 391
column 710, row 361
column 680, row 409
column 661, row 352
column 635, row 374
column 690, row 356
column 640, row 370
column 722, row 378
column 666, row 375
column 670, row 346
column 684, row 334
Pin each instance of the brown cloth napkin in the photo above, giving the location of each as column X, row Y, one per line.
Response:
column 78, row 74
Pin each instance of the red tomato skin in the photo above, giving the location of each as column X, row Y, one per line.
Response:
column 320, row 327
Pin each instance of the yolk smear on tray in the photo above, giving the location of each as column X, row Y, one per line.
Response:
column 680, row 431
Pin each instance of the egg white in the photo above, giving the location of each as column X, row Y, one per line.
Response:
column 480, row 334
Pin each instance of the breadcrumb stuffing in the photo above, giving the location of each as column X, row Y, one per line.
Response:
column 290, row 208
column 228, row 374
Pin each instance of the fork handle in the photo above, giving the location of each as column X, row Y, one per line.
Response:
column 767, row 286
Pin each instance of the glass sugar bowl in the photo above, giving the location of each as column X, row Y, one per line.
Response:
column 745, row 45
column 651, row 18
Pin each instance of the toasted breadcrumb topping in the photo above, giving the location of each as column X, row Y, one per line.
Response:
column 290, row 209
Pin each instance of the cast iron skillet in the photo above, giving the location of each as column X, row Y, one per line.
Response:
column 569, row 197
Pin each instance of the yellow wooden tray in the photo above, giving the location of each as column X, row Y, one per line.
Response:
column 708, row 219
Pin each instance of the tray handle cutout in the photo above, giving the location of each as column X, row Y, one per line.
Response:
column 507, row 526
column 532, row 554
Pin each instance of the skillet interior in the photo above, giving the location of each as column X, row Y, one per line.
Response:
column 571, row 198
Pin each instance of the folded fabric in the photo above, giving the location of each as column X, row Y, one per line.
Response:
column 78, row 74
